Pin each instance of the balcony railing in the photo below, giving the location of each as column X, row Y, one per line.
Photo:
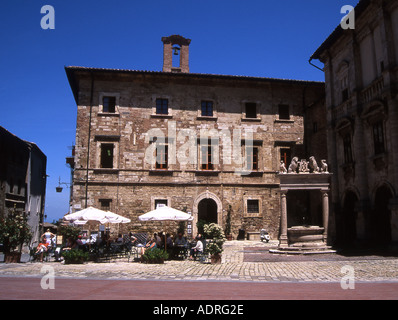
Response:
column 341, row 110
column 373, row 91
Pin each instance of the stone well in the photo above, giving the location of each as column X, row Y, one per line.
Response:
column 304, row 239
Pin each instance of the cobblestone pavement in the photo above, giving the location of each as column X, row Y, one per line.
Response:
column 242, row 261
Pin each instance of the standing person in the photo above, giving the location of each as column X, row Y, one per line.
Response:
column 48, row 237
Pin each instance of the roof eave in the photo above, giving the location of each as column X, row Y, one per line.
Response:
column 338, row 31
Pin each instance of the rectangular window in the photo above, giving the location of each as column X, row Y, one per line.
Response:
column 347, row 148
column 378, row 137
column 253, row 206
column 160, row 202
column 252, row 158
column 286, row 156
column 283, row 110
column 107, row 155
column 344, row 88
column 207, row 158
column 109, row 104
column 207, row 108
column 162, row 154
column 162, row 106
column 251, row 110
column 105, row 204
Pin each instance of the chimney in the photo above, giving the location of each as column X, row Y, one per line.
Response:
column 176, row 45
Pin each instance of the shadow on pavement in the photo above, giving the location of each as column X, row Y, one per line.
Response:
column 261, row 254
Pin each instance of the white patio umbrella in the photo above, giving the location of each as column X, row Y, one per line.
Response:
column 115, row 218
column 80, row 222
column 94, row 214
column 165, row 213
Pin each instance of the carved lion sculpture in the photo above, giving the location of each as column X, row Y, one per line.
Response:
column 282, row 167
column 293, row 165
column 313, row 165
column 324, row 166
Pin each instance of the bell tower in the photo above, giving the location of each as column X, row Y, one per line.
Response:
column 176, row 45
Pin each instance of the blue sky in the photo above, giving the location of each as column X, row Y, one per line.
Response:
column 252, row 37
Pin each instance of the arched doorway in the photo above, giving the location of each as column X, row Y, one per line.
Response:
column 207, row 212
column 381, row 216
column 350, row 218
column 207, row 207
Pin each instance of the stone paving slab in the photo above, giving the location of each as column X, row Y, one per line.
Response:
column 234, row 268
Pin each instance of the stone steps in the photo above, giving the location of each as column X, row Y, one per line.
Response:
column 304, row 250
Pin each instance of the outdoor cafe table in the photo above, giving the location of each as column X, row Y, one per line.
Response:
column 180, row 251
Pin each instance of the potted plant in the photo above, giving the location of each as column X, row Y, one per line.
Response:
column 75, row 256
column 214, row 232
column 155, row 255
column 14, row 232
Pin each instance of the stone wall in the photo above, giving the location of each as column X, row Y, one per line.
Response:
column 361, row 92
column 133, row 184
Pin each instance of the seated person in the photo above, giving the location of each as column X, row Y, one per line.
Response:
column 41, row 248
column 180, row 245
column 79, row 241
column 150, row 245
column 180, row 240
column 169, row 241
column 70, row 245
column 134, row 241
column 119, row 239
column 158, row 240
column 80, row 244
column 197, row 248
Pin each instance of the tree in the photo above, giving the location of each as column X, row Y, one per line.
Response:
column 68, row 232
column 14, row 232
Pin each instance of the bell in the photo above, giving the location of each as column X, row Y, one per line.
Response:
column 176, row 49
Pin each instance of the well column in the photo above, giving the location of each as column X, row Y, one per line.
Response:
column 283, row 240
column 325, row 213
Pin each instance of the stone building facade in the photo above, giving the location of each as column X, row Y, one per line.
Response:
column 206, row 144
column 361, row 71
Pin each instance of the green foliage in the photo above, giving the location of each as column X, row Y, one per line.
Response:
column 214, row 232
column 14, row 231
column 200, row 225
column 181, row 227
column 68, row 232
column 228, row 221
column 75, row 256
column 155, row 255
